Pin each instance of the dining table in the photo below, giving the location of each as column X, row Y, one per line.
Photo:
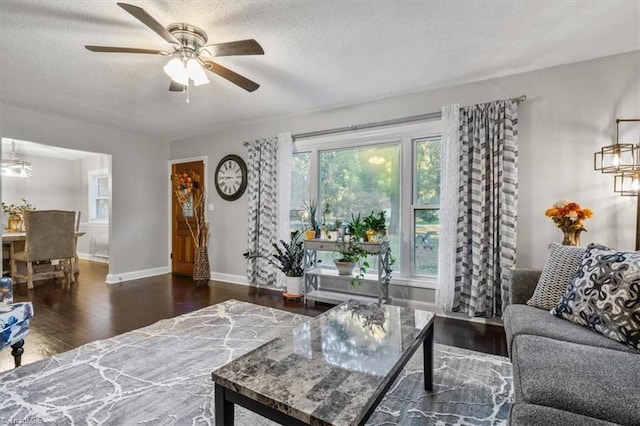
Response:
column 15, row 241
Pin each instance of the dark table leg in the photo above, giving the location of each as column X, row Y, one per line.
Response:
column 427, row 346
column 17, row 352
column 224, row 408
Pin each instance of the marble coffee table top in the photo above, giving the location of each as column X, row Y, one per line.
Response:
column 330, row 369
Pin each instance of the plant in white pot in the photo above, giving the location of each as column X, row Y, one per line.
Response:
column 288, row 259
column 352, row 253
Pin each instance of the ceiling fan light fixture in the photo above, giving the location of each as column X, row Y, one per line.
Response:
column 177, row 71
column 196, row 72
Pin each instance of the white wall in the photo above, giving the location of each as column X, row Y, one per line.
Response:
column 139, row 218
column 570, row 113
column 53, row 185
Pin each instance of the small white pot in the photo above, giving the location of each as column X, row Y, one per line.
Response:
column 294, row 285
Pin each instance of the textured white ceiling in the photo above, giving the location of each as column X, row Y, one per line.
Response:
column 318, row 54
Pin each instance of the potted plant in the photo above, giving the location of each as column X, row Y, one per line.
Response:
column 288, row 259
column 15, row 214
column 310, row 210
column 355, row 228
column 376, row 226
column 352, row 253
column 326, row 227
column 331, row 230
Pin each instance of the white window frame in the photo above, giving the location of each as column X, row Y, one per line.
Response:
column 405, row 135
column 93, row 176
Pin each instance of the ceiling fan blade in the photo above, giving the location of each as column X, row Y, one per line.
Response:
column 141, row 15
column 111, row 49
column 176, row 87
column 234, row 48
column 232, row 76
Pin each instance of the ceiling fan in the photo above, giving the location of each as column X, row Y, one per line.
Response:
column 191, row 53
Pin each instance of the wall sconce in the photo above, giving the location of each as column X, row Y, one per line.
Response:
column 623, row 160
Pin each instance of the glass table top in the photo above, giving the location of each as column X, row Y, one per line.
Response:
column 331, row 368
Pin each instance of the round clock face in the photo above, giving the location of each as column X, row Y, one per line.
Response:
column 231, row 177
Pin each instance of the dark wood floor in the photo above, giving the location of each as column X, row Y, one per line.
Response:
column 90, row 310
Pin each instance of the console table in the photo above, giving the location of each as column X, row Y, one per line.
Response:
column 331, row 370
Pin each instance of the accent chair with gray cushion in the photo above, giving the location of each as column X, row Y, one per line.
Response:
column 569, row 367
column 50, row 238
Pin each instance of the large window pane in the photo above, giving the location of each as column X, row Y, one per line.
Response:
column 362, row 180
column 427, row 178
column 426, row 237
column 299, row 190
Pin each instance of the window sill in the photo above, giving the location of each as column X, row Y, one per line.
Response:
column 427, row 282
column 95, row 223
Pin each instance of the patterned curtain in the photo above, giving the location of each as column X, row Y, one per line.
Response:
column 262, row 168
column 486, row 234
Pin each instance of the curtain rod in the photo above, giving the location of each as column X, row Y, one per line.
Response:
column 402, row 120
column 394, row 121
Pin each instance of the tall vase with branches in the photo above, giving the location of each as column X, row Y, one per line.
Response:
column 192, row 198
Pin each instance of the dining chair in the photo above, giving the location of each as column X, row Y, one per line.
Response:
column 50, row 236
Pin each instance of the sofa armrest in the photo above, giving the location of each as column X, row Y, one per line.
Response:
column 522, row 284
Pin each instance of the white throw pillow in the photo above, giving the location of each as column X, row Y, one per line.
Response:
column 562, row 264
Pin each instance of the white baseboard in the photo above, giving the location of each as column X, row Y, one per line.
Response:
column 134, row 275
column 87, row 256
column 414, row 304
column 238, row 279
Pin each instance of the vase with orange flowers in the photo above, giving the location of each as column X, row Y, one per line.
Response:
column 568, row 216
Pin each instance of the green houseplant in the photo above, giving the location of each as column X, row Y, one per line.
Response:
column 356, row 228
column 15, row 214
column 376, row 226
column 352, row 253
column 310, row 211
column 288, row 259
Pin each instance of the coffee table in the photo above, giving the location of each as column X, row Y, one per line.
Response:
column 331, row 370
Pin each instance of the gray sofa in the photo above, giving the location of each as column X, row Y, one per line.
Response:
column 564, row 373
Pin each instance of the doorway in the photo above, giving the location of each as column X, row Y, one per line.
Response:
column 187, row 179
column 64, row 179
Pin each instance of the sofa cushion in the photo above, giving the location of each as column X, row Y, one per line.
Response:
column 595, row 382
column 523, row 319
column 538, row 415
column 605, row 294
column 562, row 265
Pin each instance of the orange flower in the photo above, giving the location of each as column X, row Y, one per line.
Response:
column 568, row 214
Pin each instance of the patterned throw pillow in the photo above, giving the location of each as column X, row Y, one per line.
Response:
column 561, row 267
column 605, row 295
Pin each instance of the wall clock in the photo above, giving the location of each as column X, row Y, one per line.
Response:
column 231, row 177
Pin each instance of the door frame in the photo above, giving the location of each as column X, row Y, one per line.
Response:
column 170, row 164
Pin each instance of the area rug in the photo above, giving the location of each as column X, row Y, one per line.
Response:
column 161, row 374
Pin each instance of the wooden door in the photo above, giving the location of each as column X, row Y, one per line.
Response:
column 183, row 215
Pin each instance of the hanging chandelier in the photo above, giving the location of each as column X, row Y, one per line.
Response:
column 14, row 167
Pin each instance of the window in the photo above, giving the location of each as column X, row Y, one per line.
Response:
column 98, row 196
column 299, row 190
column 426, row 206
column 393, row 170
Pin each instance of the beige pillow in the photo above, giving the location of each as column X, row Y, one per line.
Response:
column 562, row 264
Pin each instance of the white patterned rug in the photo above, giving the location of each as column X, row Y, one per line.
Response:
column 161, row 374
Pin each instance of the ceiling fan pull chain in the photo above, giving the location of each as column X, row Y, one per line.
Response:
column 187, row 90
